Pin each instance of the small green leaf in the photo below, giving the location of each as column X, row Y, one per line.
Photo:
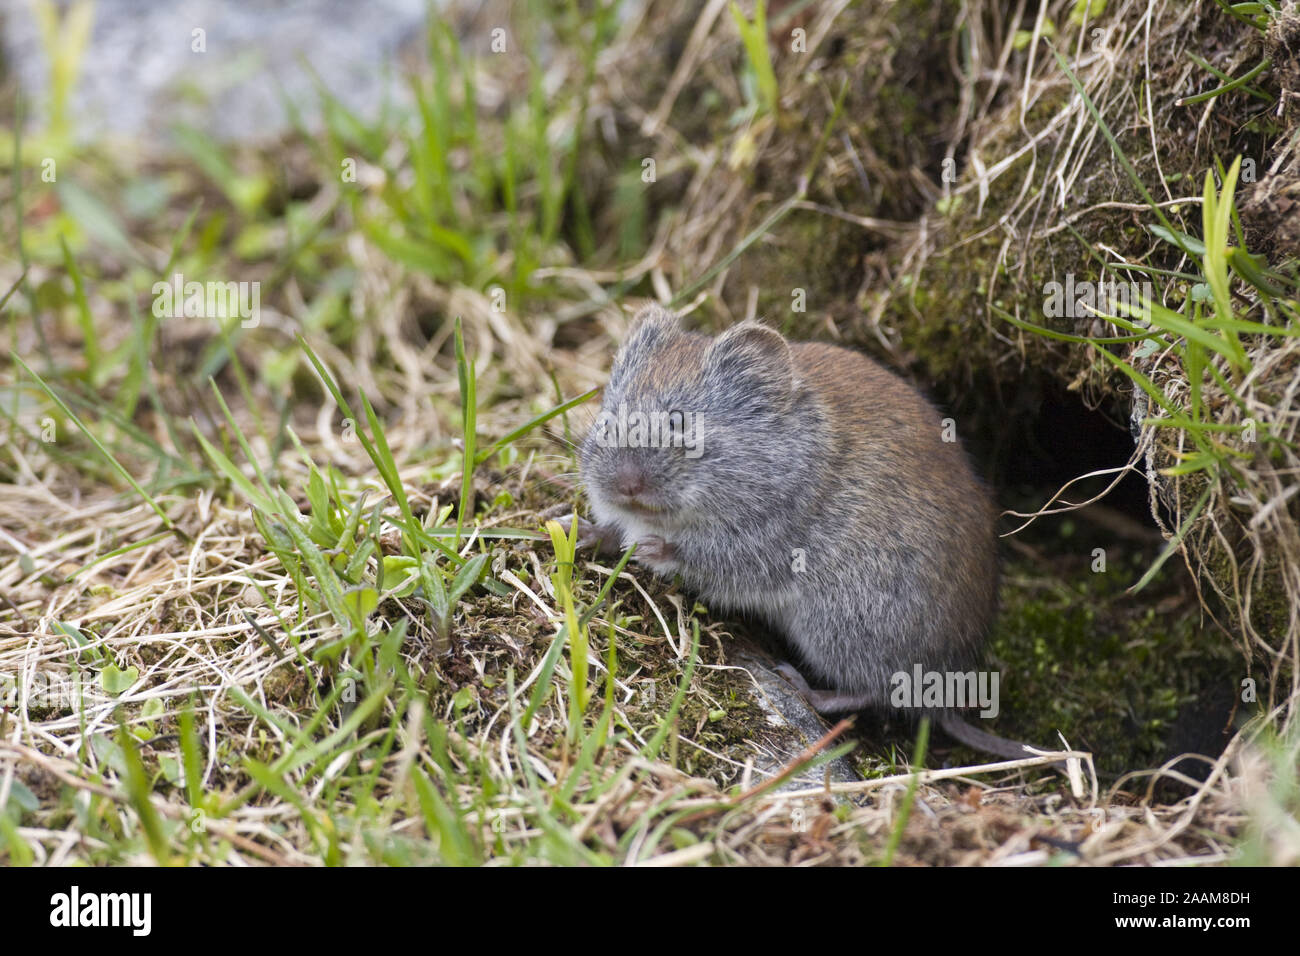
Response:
column 109, row 752
column 21, row 800
column 1088, row 10
column 1180, row 239
column 171, row 770
column 77, row 639
column 1022, row 37
column 467, row 577
column 116, row 681
column 464, row 697
column 361, row 601
column 403, row 572
column 153, row 709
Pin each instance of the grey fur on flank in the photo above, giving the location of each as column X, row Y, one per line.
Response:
column 806, row 485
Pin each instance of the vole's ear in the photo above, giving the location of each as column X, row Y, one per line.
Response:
column 756, row 353
column 653, row 318
column 650, row 327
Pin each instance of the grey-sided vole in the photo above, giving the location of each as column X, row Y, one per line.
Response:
column 808, row 486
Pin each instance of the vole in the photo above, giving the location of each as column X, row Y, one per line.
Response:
column 806, row 485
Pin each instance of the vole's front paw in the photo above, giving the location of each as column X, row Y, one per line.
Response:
column 655, row 550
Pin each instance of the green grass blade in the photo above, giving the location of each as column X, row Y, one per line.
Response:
column 651, row 750
column 117, row 466
column 532, row 423
column 1174, row 542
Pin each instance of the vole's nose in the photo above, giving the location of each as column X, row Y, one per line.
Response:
column 629, row 479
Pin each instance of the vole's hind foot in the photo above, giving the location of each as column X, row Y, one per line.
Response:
column 790, row 673
column 822, row 701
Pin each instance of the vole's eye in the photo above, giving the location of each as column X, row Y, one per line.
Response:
column 676, row 424
column 685, row 433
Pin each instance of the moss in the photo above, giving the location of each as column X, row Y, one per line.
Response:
column 1116, row 675
column 1270, row 604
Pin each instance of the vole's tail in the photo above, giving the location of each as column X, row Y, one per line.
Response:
column 982, row 740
